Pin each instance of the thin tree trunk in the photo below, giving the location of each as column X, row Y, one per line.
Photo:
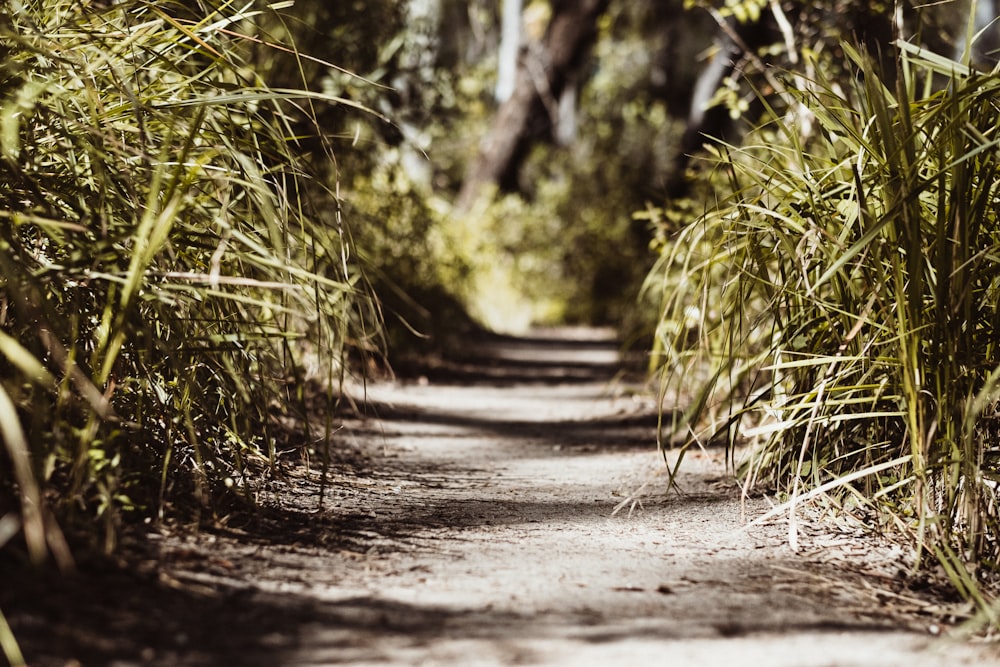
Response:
column 541, row 77
column 510, row 46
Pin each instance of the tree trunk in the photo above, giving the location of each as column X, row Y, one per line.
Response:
column 510, row 46
column 542, row 75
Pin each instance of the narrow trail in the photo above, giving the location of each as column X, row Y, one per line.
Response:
column 473, row 523
column 492, row 539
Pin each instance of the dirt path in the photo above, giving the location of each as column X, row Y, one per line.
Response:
column 479, row 530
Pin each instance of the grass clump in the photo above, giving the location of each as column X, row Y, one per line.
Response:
column 842, row 304
column 169, row 271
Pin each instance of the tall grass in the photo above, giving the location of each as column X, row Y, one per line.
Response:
column 170, row 270
column 842, row 303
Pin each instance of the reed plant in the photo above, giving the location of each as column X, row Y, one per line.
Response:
column 841, row 301
column 171, row 271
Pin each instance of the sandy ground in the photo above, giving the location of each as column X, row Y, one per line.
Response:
column 478, row 526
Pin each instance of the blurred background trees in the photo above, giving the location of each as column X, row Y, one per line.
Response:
column 543, row 228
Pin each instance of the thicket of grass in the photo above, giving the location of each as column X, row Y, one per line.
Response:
column 171, row 273
column 842, row 304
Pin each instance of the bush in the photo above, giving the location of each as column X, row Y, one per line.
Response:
column 170, row 271
column 843, row 299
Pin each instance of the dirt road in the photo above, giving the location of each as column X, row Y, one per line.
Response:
column 477, row 526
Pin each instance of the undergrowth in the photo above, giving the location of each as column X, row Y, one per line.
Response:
column 839, row 306
column 170, row 271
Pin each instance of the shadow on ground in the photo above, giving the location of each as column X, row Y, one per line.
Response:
column 122, row 618
column 251, row 588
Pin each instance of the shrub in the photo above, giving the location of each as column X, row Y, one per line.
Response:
column 170, row 271
column 842, row 304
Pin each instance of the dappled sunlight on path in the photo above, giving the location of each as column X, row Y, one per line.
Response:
column 508, row 508
column 506, row 532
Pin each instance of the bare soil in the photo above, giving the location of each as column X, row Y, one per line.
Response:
column 508, row 509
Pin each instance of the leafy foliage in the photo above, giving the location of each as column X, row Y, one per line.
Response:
column 841, row 303
column 170, row 271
